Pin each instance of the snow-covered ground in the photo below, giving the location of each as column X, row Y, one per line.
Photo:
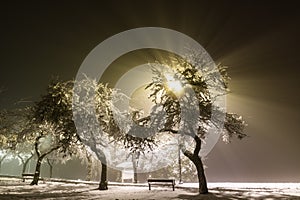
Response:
column 15, row 189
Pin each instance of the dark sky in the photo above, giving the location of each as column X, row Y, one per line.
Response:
column 258, row 40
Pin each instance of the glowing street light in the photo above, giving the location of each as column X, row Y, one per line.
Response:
column 173, row 85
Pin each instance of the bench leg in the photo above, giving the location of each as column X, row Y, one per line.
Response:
column 173, row 187
column 149, row 186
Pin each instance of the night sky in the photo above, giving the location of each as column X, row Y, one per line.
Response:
column 258, row 40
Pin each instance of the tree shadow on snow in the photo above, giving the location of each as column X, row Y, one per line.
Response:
column 51, row 194
column 229, row 194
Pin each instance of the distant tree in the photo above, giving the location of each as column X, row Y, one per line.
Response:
column 186, row 71
column 50, row 163
column 136, row 144
column 12, row 138
column 88, row 159
column 3, row 155
column 24, row 152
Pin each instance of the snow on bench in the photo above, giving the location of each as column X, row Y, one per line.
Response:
column 161, row 180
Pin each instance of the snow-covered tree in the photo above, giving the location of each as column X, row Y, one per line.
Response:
column 52, row 124
column 103, row 128
column 199, row 102
column 91, row 102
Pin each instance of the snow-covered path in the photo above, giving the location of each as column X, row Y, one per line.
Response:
column 15, row 189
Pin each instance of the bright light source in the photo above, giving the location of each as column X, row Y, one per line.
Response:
column 173, row 84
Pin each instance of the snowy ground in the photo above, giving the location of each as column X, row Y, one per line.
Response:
column 12, row 189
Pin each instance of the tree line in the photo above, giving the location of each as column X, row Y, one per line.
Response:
column 79, row 118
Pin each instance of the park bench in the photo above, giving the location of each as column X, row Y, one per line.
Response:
column 27, row 175
column 161, row 180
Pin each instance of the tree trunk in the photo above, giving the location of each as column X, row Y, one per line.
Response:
column 89, row 167
column 50, row 167
column 201, row 175
column 26, row 163
column 200, row 172
column 103, row 181
column 179, row 164
column 196, row 159
column 135, row 176
column 51, row 170
column 134, row 164
column 37, row 171
column 101, row 156
column 23, row 163
column 23, row 168
column 1, row 161
column 39, row 160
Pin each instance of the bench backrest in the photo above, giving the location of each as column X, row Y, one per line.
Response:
column 161, row 180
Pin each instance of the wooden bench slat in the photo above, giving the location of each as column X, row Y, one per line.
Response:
column 27, row 174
